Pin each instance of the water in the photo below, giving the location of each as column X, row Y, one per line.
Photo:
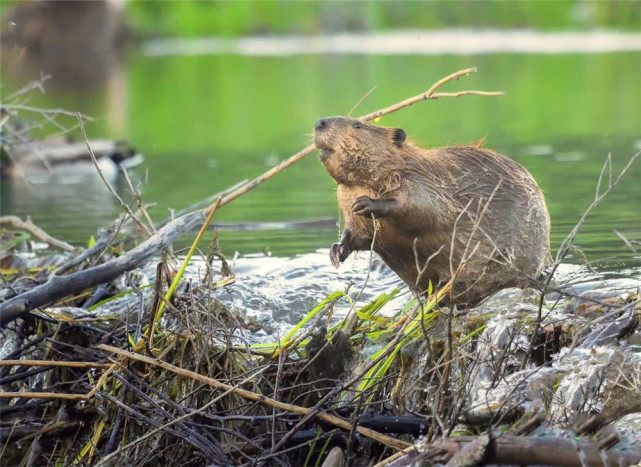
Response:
column 205, row 122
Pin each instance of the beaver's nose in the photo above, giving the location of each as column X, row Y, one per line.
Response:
column 321, row 124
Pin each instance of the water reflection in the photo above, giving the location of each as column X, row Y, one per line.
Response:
column 76, row 201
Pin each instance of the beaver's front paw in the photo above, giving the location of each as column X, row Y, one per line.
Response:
column 338, row 253
column 366, row 206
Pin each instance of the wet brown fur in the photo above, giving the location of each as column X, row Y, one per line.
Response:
column 439, row 196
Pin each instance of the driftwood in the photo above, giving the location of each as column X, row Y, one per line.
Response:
column 505, row 449
column 59, row 287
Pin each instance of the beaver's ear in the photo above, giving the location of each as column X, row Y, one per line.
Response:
column 398, row 136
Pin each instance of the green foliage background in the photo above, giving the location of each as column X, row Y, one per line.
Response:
column 237, row 18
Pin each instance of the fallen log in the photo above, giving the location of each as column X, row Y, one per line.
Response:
column 506, row 449
column 62, row 286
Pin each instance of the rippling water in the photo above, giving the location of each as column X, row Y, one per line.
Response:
column 277, row 292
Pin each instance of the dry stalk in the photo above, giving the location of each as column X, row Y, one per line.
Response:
column 42, row 395
column 135, row 192
column 361, row 100
column 53, row 363
column 56, row 395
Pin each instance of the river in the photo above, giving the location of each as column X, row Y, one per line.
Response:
column 208, row 116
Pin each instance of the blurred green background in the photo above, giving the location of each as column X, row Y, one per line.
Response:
column 206, row 121
column 229, row 18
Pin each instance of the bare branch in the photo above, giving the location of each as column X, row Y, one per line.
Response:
column 122, row 204
column 44, row 112
column 429, row 94
column 37, row 231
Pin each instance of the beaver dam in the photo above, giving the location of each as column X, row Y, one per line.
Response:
column 127, row 352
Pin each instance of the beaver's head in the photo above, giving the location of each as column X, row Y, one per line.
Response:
column 353, row 151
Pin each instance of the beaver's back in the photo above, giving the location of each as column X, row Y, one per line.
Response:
column 477, row 207
column 494, row 191
column 502, row 199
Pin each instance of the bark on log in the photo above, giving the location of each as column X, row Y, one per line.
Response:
column 58, row 287
column 474, row 453
column 518, row 450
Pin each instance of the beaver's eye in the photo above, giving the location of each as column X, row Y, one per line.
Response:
column 358, row 125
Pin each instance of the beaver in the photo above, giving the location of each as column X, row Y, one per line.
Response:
column 433, row 214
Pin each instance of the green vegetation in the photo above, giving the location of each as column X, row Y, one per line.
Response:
column 238, row 18
column 224, row 18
